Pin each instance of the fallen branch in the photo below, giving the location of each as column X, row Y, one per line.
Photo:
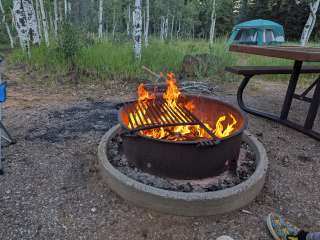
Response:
column 193, row 87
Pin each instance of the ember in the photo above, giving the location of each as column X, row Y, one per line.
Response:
column 224, row 126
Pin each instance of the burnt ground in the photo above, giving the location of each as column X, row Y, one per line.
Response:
column 52, row 188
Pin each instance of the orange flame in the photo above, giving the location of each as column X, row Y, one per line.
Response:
column 144, row 94
column 172, row 93
column 181, row 133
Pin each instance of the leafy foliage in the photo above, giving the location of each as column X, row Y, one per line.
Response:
column 69, row 41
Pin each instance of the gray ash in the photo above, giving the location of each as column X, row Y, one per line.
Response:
column 246, row 167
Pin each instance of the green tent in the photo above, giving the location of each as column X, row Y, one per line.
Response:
column 257, row 32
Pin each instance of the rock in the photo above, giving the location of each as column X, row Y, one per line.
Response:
column 195, row 64
column 259, row 134
column 225, row 238
column 303, row 158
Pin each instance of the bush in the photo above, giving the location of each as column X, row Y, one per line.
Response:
column 69, row 42
column 220, row 58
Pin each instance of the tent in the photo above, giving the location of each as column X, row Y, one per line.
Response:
column 257, row 32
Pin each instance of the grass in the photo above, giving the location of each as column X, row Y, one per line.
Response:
column 115, row 61
column 106, row 60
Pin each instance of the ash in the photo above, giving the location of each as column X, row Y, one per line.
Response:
column 246, row 167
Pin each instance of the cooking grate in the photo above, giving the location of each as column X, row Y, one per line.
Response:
column 150, row 114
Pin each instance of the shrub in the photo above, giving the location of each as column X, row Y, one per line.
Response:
column 69, row 42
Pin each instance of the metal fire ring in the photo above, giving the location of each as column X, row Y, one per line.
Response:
column 185, row 204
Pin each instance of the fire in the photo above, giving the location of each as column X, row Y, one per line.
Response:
column 144, row 94
column 224, row 126
column 172, row 93
column 221, row 131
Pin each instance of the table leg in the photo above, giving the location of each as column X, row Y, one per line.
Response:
column 291, row 90
column 313, row 110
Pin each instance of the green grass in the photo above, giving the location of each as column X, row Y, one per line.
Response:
column 114, row 61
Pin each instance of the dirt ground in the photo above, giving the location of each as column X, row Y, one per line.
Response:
column 52, row 188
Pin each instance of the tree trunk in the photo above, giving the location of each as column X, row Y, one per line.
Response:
column 114, row 24
column 146, row 30
column 56, row 17
column 179, row 29
column 61, row 11
column 6, row 24
column 51, row 24
column 193, row 31
column 69, row 8
column 243, row 10
column 32, row 21
column 137, row 30
column 213, row 22
column 162, row 26
column 44, row 23
column 26, row 23
column 38, row 18
column 129, row 20
column 166, row 26
column 309, row 26
column 13, row 24
column 100, row 18
column 65, row 8
column 172, row 25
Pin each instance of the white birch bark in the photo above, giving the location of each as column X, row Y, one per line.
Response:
column 61, row 12
column 65, row 8
column 166, row 27
column 21, row 23
column 137, row 29
column 129, row 20
column 31, row 21
column 69, row 8
column 309, row 26
column 12, row 18
column 143, row 21
column 146, row 30
column 26, row 23
column 44, row 23
column 38, row 18
column 4, row 21
column 51, row 24
column 56, row 17
column 172, row 26
column 100, row 18
column 213, row 22
column 179, row 29
column 193, row 30
column 114, row 24
column 162, row 28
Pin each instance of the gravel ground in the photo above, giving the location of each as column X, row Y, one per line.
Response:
column 52, row 188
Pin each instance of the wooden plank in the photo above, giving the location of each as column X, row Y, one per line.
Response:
column 287, row 52
column 265, row 70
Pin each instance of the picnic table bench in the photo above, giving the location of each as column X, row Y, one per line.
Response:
column 299, row 55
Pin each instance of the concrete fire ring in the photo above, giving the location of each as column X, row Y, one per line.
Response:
column 185, row 204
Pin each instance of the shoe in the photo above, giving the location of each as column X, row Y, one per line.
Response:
column 281, row 229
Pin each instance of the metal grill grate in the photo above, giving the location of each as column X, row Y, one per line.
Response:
column 158, row 113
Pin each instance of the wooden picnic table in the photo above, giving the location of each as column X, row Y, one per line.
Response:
column 299, row 55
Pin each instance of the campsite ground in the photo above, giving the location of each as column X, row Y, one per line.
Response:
column 52, row 188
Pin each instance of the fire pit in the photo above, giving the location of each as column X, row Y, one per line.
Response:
column 181, row 136
column 169, row 149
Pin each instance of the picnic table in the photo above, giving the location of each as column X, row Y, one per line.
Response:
column 299, row 55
